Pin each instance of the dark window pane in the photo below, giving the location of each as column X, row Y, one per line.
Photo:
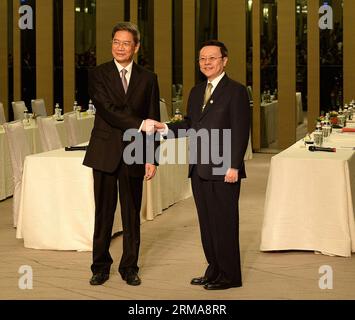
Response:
column 85, row 47
column 146, row 28
column 28, row 59
column 58, row 51
column 206, row 27
column 10, row 58
column 177, row 50
column 331, row 60
column 301, row 50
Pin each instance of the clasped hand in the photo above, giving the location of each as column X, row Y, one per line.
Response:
column 150, row 126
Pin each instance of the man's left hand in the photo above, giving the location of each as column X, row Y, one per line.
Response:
column 150, row 170
column 231, row 176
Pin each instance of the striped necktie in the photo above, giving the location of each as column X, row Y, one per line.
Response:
column 208, row 93
column 124, row 80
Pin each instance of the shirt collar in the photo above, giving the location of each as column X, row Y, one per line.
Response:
column 128, row 68
column 217, row 80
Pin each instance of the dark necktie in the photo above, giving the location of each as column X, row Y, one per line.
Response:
column 124, row 80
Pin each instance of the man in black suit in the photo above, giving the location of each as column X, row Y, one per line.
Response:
column 217, row 104
column 124, row 95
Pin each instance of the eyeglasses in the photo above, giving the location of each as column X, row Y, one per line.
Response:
column 124, row 44
column 206, row 59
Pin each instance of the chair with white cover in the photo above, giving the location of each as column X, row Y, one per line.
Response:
column 250, row 93
column 48, row 133
column 2, row 114
column 18, row 108
column 38, row 107
column 72, row 128
column 163, row 111
column 19, row 149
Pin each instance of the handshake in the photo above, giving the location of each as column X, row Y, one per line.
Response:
column 150, row 126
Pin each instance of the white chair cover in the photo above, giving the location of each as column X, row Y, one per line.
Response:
column 250, row 93
column 2, row 114
column 163, row 111
column 18, row 107
column 19, row 149
column 38, row 107
column 72, row 128
column 48, row 133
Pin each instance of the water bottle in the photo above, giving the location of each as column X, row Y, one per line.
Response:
column 57, row 112
column 75, row 105
column 346, row 112
column 26, row 117
column 263, row 97
column 351, row 110
column 91, row 107
column 352, row 105
column 318, row 135
column 327, row 128
column 341, row 117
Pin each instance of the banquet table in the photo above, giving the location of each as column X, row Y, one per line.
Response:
column 65, row 219
column 269, row 123
column 85, row 125
column 310, row 197
column 269, row 119
column 6, row 180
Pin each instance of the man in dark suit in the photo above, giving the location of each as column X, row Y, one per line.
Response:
column 217, row 104
column 124, row 95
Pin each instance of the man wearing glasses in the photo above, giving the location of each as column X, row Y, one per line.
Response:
column 221, row 104
column 124, row 95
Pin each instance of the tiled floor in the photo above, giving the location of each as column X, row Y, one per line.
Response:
column 171, row 255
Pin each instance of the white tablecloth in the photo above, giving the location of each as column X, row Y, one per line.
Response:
column 57, row 203
column 6, row 180
column 85, row 125
column 269, row 120
column 310, row 199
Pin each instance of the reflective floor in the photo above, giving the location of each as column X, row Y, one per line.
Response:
column 171, row 254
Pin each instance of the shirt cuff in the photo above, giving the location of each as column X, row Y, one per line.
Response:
column 165, row 131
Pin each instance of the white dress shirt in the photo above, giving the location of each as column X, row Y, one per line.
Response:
column 215, row 81
column 128, row 68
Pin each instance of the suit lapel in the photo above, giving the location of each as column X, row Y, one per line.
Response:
column 116, row 81
column 200, row 98
column 216, row 93
column 133, row 82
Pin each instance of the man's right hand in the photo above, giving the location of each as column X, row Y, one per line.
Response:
column 148, row 126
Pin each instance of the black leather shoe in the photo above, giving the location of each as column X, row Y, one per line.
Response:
column 200, row 281
column 217, row 285
column 99, row 278
column 132, row 278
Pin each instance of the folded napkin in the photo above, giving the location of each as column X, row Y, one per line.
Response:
column 348, row 130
